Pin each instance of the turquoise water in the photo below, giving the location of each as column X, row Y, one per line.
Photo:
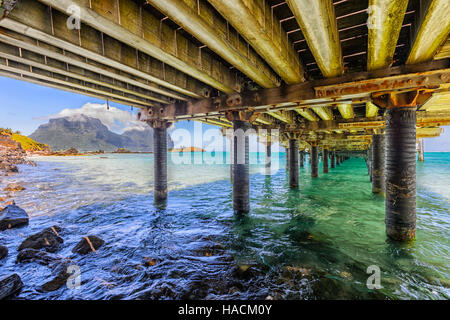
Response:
column 312, row 243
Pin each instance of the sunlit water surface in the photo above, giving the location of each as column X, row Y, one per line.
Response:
column 312, row 243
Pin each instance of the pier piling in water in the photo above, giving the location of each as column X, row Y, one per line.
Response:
column 160, row 162
column 325, row 160
column 314, row 162
column 302, row 158
column 421, row 150
column 293, row 163
column 240, row 165
column 401, row 173
column 333, row 159
column 287, row 158
column 378, row 163
column 268, row 162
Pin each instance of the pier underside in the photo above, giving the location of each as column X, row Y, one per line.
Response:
column 333, row 76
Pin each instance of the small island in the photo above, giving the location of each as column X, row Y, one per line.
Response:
column 188, row 149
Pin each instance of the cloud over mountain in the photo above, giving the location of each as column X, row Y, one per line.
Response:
column 115, row 119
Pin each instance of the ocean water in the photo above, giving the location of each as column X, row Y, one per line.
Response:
column 312, row 243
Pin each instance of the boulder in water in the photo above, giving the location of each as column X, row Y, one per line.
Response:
column 56, row 263
column 14, row 187
column 13, row 217
column 10, row 286
column 3, row 252
column 88, row 244
column 48, row 239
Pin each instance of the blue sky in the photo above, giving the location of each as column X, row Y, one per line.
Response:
column 25, row 106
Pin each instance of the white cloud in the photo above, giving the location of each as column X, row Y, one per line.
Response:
column 115, row 119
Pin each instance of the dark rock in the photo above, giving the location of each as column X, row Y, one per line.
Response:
column 84, row 246
column 12, row 169
column 10, row 286
column 43, row 258
column 47, row 239
column 13, row 217
column 56, row 263
column 3, row 252
column 59, row 280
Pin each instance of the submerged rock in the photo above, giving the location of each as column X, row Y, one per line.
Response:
column 58, row 281
column 3, row 252
column 56, row 263
column 10, row 286
column 13, row 217
column 88, row 244
column 48, row 239
column 14, row 187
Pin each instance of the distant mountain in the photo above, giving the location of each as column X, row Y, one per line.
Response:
column 90, row 134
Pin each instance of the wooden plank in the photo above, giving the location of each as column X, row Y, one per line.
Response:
column 156, row 42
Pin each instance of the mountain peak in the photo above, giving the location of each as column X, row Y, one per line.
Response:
column 86, row 133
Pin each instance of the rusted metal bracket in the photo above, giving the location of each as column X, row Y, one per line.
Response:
column 394, row 99
column 243, row 115
column 153, row 117
column 419, row 80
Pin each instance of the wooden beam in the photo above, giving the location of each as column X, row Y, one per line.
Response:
column 138, row 28
column 323, row 112
column 307, row 114
column 346, row 110
column 255, row 21
column 49, row 27
column 321, row 92
column 319, row 26
column 433, row 31
column 49, row 77
column 371, row 110
column 22, row 77
column 43, row 63
column 429, row 132
column 210, row 28
column 384, row 24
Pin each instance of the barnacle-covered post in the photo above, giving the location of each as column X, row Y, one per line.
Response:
column 400, row 129
column 378, row 163
column 293, row 163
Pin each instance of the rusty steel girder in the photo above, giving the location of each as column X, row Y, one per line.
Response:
column 425, row 80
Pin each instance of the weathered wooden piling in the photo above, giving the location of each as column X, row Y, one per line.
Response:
column 160, row 163
column 401, row 173
column 333, row 159
column 325, row 160
column 293, row 163
column 231, row 158
column 421, row 150
column 378, row 163
column 287, row 158
column 314, row 162
column 240, row 165
column 302, row 158
column 268, row 162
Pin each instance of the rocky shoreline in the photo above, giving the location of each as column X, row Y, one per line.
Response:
column 11, row 154
column 42, row 246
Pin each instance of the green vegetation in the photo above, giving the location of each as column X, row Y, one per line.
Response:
column 29, row 144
